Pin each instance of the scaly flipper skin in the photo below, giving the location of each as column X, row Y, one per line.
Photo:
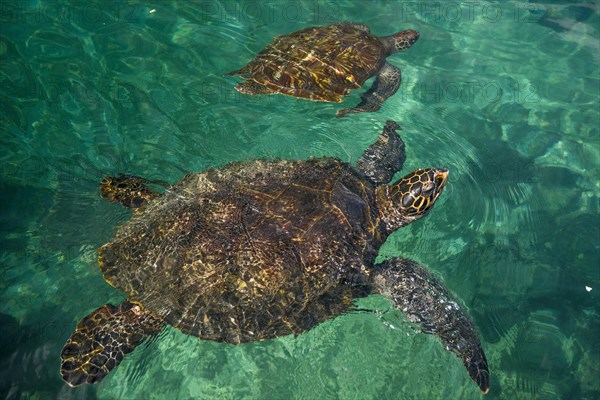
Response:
column 385, row 157
column 385, row 85
column 427, row 302
column 251, row 87
column 102, row 339
column 128, row 190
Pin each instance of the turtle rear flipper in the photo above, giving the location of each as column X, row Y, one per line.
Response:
column 252, row 87
column 102, row 339
column 427, row 302
column 129, row 190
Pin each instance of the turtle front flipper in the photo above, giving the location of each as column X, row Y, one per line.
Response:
column 385, row 85
column 129, row 190
column 428, row 303
column 102, row 339
column 385, row 157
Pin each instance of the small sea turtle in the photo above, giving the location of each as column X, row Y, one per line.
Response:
column 324, row 63
column 259, row 249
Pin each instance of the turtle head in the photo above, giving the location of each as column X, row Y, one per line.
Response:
column 411, row 197
column 418, row 191
column 400, row 41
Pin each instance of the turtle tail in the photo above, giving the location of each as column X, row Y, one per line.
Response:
column 102, row 339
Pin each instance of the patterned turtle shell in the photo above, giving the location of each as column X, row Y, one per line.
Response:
column 318, row 63
column 264, row 237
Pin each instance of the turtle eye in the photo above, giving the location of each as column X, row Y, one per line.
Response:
column 428, row 189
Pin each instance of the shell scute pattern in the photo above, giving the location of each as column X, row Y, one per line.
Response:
column 274, row 218
column 322, row 63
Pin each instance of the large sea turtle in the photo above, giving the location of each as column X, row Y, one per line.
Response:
column 324, row 63
column 259, row 249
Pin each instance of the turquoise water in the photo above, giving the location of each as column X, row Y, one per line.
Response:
column 505, row 95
